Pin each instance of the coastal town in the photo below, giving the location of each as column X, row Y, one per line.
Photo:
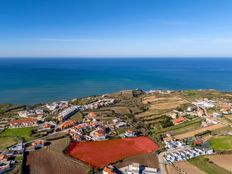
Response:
column 134, row 131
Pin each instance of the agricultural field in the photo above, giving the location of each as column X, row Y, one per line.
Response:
column 171, row 169
column 120, row 110
column 189, row 168
column 102, row 153
column 53, row 160
column 207, row 166
column 221, row 142
column 157, row 107
column 24, row 133
column 181, row 127
column 7, row 142
column 223, row 161
column 229, row 118
column 197, row 131
column 163, row 103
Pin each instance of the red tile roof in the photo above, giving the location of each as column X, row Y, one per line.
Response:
column 108, row 170
column 92, row 114
column 67, row 124
column 24, row 120
column 179, row 120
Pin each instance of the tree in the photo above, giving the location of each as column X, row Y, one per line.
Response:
column 167, row 122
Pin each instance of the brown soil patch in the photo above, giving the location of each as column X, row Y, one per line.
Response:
column 149, row 99
column 53, row 160
column 163, row 102
column 189, row 168
column 171, row 169
column 224, row 161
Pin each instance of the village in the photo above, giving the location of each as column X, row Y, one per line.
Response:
column 55, row 118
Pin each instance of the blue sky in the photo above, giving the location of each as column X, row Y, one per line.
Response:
column 115, row 28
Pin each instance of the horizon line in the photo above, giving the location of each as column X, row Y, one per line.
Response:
column 115, row 57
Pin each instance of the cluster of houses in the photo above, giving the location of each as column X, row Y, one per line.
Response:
column 23, row 122
column 28, row 118
column 89, row 129
column 119, row 123
column 179, row 151
column 222, row 107
column 37, row 144
column 92, row 130
column 185, row 154
column 56, row 106
column 205, row 103
column 100, row 103
column 7, row 157
column 174, row 144
column 47, row 126
column 62, row 109
column 5, row 163
column 31, row 113
column 200, row 109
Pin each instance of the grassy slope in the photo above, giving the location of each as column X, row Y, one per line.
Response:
column 221, row 143
column 19, row 132
column 7, row 141
column 205, row 165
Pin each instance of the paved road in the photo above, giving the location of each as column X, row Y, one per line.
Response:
column 161, row 158
column 161, row 163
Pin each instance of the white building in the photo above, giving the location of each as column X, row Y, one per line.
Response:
column 136, row 168
column 25, row 114
column 216, row 115
column 205, row 103
column 66, row 113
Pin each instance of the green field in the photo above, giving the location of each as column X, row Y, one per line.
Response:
column 25, row 133
column 207, row 166
column 183, row 127
column 221, row 142
column 7, row 142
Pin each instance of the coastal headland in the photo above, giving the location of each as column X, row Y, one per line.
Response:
column 162, row 131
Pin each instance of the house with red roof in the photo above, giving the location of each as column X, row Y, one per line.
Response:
column 25, row 122
column 109, row 170
column 179, row 120
column 67, row 124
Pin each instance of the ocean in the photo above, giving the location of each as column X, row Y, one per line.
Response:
column 30, row 81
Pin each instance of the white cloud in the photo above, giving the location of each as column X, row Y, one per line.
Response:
column 206, row 40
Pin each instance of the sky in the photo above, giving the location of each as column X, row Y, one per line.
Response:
column 115, row 28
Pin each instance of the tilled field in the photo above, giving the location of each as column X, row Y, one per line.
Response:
column 224, row 161
column 53, row 160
